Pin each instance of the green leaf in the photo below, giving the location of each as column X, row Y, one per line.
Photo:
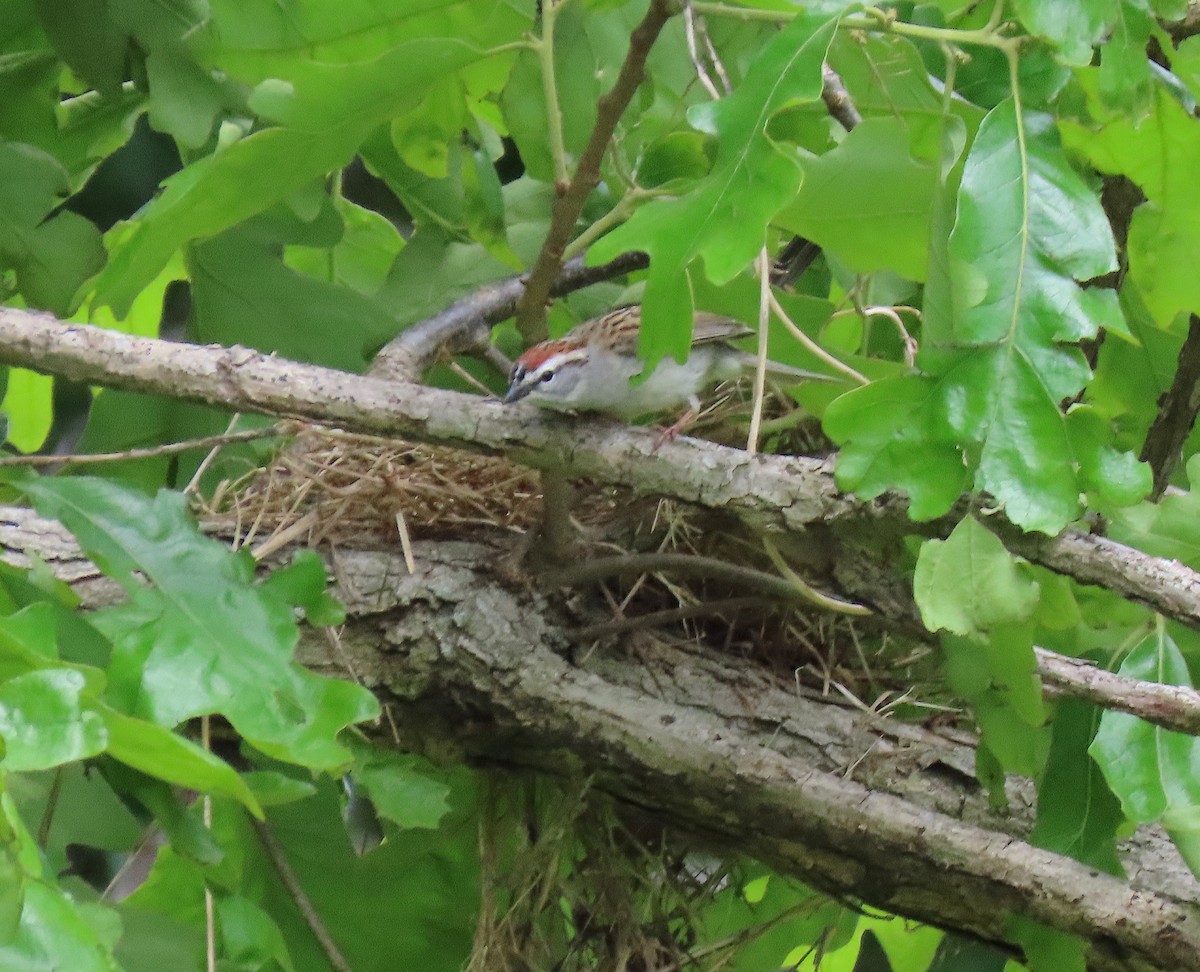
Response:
column 159, row 752
column 326, row 108
column 1169, row 528
column 272, row 789
column 1073, row 26
column 1150, row 769
column 970, row 584
column 1160, row 153
column 404, row 789
column 724, row 219
column 199, row 636
column 28, row 641
column 86, row 812
column 1117, row 476
column 1077, row 814
column 893, row 437
column 28, row 408
column 184, row 98
column 45, row 721
column 244, row 294
column 304, row 583
column 1001, row 325
column 999, row 676
column 92, row 44
column 524, row 101
column 249, row 936
column 400, row 906
column 57, row 932
column 1047, row 949
column 1026, row 226
column 868, row 200
column 360, row 259
column 50, row 254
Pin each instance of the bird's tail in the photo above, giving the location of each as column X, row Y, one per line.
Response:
column 783, row 372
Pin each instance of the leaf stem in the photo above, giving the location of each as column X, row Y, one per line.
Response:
column 618, row 214
column 878, row 20
column 545, row 51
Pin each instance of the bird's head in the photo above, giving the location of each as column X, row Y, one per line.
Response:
column 547, row 372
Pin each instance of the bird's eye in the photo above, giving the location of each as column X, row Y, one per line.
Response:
column 547, row 376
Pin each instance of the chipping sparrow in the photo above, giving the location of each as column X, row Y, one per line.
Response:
column 589, row 368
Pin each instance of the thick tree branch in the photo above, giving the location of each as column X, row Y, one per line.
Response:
column 1173, row 706
column 857, row 804
column 531, row 308
column 465, row 326
column 769, row 492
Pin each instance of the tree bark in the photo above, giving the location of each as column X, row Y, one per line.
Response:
column 475, row 667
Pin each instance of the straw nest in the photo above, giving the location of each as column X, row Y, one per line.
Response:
column 570, row 881
column 329, row 488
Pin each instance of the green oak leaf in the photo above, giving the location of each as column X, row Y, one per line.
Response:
column 969, row 583
column 1161, row 154
column 892, row 437
column 724, row 218
column 1003, row 317
column 245, row 294
column 159, row 752
column 198, row 635
column 1074, row 27
column 403, row 788
column 1169, row 528
column 998, row 674
column 868, row 200
column 357, row 67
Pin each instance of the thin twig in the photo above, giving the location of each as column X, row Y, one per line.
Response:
column 210, row 915
column 303, row 903
column 702, row 29
column 810, row 593
column 465, row 326
column 812, row 345
column 51, row 805
column 531, row 308
column 760, row 365
column 689, row 21
column 837, row 99
column 689, row 565
column 554, row 124
column 1177, row 412
column 194, row 482
column 167, row 449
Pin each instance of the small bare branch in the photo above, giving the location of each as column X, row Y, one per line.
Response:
column 1177, row 412
column 531, row 308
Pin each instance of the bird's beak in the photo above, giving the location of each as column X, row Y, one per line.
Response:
column 516, row 391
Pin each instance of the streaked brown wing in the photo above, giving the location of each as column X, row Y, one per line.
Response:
column 716, row 327
column 619, row 328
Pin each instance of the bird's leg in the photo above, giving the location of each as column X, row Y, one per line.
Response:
column 671, row 432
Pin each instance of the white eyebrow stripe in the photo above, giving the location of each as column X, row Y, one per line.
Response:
column 556, row 361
